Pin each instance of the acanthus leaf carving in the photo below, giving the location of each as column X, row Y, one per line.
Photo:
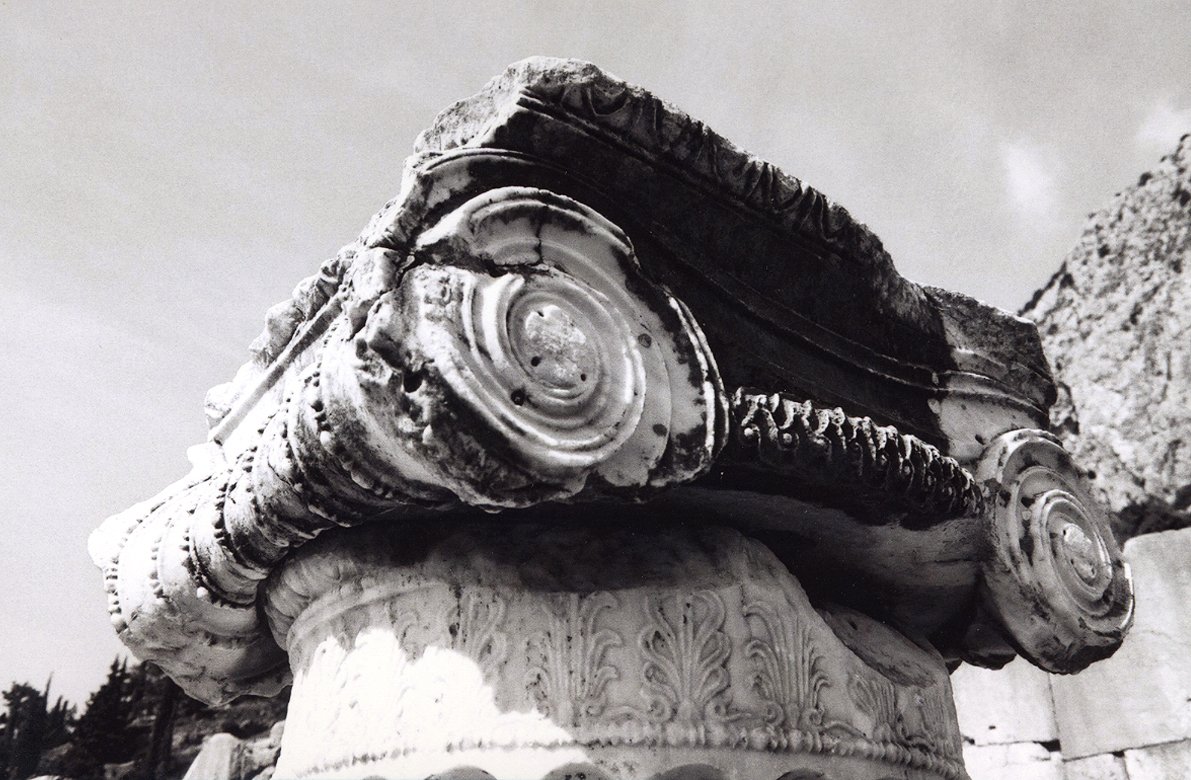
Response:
column 877, row 697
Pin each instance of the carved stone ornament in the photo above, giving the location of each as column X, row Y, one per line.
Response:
column 623, row 450
column 1053, row 552
column 537, row 650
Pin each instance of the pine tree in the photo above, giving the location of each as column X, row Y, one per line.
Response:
column 25, row 725
column 106, row 732
column 163, row 698
column 60, row 721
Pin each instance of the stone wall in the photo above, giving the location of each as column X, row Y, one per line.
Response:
column 1125, row 718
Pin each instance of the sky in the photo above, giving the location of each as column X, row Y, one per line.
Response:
column 168, row 171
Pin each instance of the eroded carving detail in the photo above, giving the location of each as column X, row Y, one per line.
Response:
column 686, row 653
column 938, row 732
column 480, row 637
column 571, row 683
column 825, row 448
column 578, row 686
column 493, row 341
column 1056, row 579
column 790, row 672
column 402, row 619
column 878, row 698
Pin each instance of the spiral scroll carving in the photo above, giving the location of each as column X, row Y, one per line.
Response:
column 535, row 360
column 1054, row 576
column 544, row 360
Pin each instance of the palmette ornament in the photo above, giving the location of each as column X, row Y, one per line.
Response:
column 609, row 448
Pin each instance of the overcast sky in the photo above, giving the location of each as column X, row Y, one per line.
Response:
column 169, row 171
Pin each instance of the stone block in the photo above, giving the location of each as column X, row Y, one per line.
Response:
column 1171, row 761
column 225, row 757
column 1142, row 695
column 1105, row 766
column 217, row 760
column 1020, row 761
column 998, row 707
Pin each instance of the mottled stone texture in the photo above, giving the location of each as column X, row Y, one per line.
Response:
column 1015, row 761
column 1008, row 723
column 743, row 491
column 793, row 293
column 1115, row 321
column 1105, row 766
column 1150, row 678
column 1115, row 326
column 1126, row 718
column 523, row 649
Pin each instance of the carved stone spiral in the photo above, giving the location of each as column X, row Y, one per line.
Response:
column 1055, row 577
column 545, row 360
column 537, row 360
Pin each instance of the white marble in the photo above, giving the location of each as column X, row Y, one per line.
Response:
column 1169, row 761
column 1142, row 695
column 1105, row 766
column 522, row 650
column 1018, row 761
column 1003, row 706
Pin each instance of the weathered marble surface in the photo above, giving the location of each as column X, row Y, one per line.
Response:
column 1054, row 576
column 1150, row 676
column 1007, row 720
column 1004, row 706
column 523, row 649
column 1169, row 761
column 585, row 310
column 1129, row 713
column 1104, row 766
column 827, row 312
column 1014, row 761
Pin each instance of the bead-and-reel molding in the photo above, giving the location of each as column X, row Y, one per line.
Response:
column 1054, row 575
column 534, row 352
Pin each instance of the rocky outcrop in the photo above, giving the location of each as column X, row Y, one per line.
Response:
column 1116, row 324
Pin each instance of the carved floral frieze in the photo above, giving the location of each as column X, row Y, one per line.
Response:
column 583, row 299
column 742, row 663
column 572, row 678
column 790, row 669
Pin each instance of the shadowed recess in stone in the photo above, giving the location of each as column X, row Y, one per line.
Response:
column 528, row 475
